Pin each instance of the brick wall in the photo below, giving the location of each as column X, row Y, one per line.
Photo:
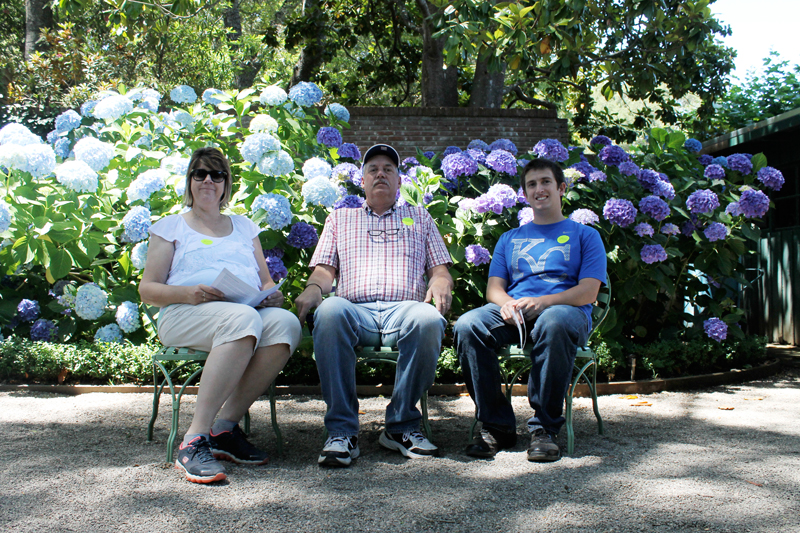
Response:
column 436, row 128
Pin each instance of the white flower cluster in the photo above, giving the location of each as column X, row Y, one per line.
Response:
column 146, row 184
column 176, row 164
column 255, row 146
column 278, row 163
column 277, row 207
column 40, row 160
column 320, row 191
column 90, row 301
column 18, row 134
column 272, row 95
column 139, row 255
column 67, row 121
column 183, row 94
column 112, row 107
column 128, row 317
column 109, row 333
column 77, row 176
column 263, row 124
column 316, row 168
column 94, row 153
column 137, row 224
column 5, row 217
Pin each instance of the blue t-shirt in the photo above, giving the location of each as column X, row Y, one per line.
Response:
column 541, row 259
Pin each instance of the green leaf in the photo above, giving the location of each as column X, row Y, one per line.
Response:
column 60, row 263
column 759, row 161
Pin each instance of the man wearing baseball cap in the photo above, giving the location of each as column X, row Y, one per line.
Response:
column 390, row 264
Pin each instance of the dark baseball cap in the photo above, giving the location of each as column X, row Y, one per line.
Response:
column 382, row 149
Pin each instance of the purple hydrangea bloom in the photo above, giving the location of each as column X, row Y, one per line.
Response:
column 653, row 253
column 351, row 200
column 456, row 165
column 733, row 209
column 407, row 163
column 771, row 177
column 643, row 229
column 721, row 161
column 521, row 197
column 330, row 137
column 502, row 161
column 628, row 168
column 753, row 203
column 477, row 254
column 693, row 145
column 613, row 155
column 451, row 150
column 273, row 252
column 44, row 330
column 302, row 235
column 429, row 154
column 587, row 217
column 664, row 188
column 670, row 229
column 344, row 172
column 601, row 140
column 714, row 172
column 495, row 199
column 525, row 215
column 716, row 231
column 619, row 212
column 28, row 310
column 478, row 144
column 687, row 228
column 715, row 329
column 350, row 151
column 705, row 160
column 740, row 163
column 598, row 176
column 702, row 201
column 551, row 149
column 655, row 207
column 504, row 144
column 477, row 155
column 277, row 270
column 584, row 168
column 648, row 179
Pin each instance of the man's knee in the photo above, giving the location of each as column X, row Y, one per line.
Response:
column 331, row 310
column 425, row 319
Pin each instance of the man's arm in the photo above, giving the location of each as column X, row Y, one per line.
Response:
column 440, row 288
column 585, row 292
column 319, row 282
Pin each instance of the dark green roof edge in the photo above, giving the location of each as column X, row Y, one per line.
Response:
column 755, row 131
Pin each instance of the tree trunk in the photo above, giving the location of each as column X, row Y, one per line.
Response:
column 487, row 86
column 248, row 68
column 38, row 16
column 439, row 83
column 312, row 54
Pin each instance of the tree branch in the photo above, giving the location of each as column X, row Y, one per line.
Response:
column 528, row 100
column 405, row 18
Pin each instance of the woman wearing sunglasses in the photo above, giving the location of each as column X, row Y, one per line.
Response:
column 247, row 346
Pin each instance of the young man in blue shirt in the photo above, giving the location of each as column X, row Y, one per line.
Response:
column 548, row 274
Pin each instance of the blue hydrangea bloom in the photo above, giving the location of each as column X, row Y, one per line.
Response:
column 277, row 207
column 477, row 144
column 715, row 329
column 182, row 119
column 478, row 155
column 40, row 159
column 183, row 94
column 28, row 310
column 302, row 235
column 146, row 184
column 753, row 203
column 693, row 145
column 584, row 168
column 702, row 201
column 87, row 108
column 90, row 301
column 643, row 229
column 148, row 104
column 721, row 161
column 112, row 107
column 705, row 160
column 619, row 212
column 137, row 224
column 408, row 163
column 77, row 176
column 498, row 197
column 451, row 150
column 628, row 168
column 176, row 164
column 339, row 111
column 329, row 137
column 613, row 155
column 670, row 229
column 587, row 217
column 457, row 165
column 273, row 96
column 525, row 215
column 714, row 172
column 648, row 179
column 350, row 151
column 429, row 155
column 214, row 96
column 277, row 270
column 655, row 207
column 551, row 149
column 665, row 189
column 502, row 161
column 109, row 333
column 601, row 140
column 716, row 231
column 67, row 121
column 278, row 163
column 316, row 168
column 504, row 144
column 94, row 153
column 477, row 255
column 12, row 156
column 344, row 172
column 44, row 330
column 740, row 163
column 598, row 176
column 653, row 253
column 52, row 137
column 139, row 255
column 5, row 216
column 128, row 317
column 256, row 145
column 305, row 94
column 320, row 191
column 771, row 177
column 351, row 200
column 62, row 147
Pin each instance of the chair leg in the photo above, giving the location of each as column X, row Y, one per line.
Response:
column 593, row 390
column 247, row 423
column 176, row 411
column 423, row 402
column 568, row 417
column 473, row 426
column 274, row 416
column 156, row 397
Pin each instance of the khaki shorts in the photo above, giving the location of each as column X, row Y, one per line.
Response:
column 208, row 325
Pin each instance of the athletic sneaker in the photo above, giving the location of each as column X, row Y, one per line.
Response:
column 543, row 447
column 197, row 462
column 411, row 444
column 234, row 446
column 339, row 451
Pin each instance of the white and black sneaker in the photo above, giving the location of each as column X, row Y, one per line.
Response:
column 411, row 444
column 339, row 451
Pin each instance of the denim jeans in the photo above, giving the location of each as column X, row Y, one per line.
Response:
column 339, row 326
column 554, row 336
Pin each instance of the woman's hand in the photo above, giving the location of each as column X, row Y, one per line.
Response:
column 273, row 300
column 200, row 294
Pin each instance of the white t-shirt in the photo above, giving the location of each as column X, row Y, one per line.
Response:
column 200, row 258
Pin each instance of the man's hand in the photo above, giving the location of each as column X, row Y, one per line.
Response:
column 508, row 310
column 532, row 306
column 308, row 299
column 441, row 293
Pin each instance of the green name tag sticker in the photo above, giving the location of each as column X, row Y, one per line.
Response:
column 207, row 241
column 563, row 239
column 408, row 221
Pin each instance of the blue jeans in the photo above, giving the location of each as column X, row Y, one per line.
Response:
column 554, row 336
column 339, row 326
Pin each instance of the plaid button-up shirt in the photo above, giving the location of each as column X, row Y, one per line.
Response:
column 374, row 265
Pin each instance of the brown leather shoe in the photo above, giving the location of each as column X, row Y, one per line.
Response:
column 489, row 442
column 543, row 447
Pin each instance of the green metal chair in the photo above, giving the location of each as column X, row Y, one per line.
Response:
column 585, row 359
column 187, row 357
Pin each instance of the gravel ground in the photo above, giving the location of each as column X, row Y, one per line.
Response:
column 721, row 459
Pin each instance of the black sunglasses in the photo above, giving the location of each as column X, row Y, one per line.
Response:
column 217, row 176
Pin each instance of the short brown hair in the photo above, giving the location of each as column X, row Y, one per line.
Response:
column 541, row 164
column 214, row 159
